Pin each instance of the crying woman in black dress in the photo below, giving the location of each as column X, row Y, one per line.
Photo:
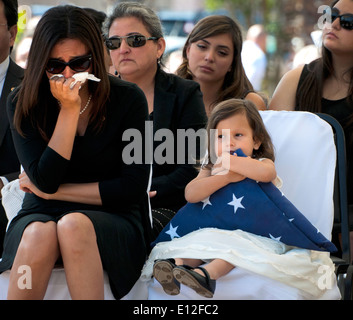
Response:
column 83, row 204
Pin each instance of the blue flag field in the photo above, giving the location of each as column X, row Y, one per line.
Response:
column 255, row 207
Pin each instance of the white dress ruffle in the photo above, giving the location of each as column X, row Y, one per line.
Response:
column 308, row 270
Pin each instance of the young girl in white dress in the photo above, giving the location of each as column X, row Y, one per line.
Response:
column 238, row 125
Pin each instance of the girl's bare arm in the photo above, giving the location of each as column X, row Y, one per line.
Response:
column 206, row 184
column 254, row 169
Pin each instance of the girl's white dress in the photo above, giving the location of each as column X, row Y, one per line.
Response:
column 311, row 272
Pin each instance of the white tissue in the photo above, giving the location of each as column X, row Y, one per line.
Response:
column 80, row 76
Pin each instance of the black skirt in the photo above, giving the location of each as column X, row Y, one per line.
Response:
column 120, row 242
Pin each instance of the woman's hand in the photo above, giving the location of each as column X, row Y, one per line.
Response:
column 26, row 185
column 68, row 97
column 66, row 128
column 152, row 194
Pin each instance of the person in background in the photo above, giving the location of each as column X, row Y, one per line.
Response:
column 10, row 76
column 85, row 207
column 326, row 84
column 254, row 55
column 136, row 44
column 212, row 57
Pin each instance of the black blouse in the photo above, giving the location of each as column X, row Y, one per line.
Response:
column 178, row 106
column 96, row 157
column 341, row 110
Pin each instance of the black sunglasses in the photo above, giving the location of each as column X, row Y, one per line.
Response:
column 133, row 41
column 78, row 64
column 346, row 20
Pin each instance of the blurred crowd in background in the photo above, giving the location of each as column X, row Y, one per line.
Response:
column 278, row 34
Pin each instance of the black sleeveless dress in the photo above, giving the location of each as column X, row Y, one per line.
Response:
column 341, row 110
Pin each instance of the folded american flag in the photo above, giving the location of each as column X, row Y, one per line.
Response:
column 255, row 207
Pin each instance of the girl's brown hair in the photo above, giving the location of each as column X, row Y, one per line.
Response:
column 231, row 107
column 34, row 96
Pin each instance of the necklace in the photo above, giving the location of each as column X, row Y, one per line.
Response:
column 87, row 104
column 85, row 107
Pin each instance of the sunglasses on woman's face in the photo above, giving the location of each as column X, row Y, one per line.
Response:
column 78, row 64
column 133, row 41
column 346, row 20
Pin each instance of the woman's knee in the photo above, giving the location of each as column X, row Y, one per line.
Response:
column 75, row 227
column 39, row 239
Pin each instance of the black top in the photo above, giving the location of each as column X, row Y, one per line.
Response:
column 178, row 104
column 96, row 157
column 121, row 223
column 341, row 110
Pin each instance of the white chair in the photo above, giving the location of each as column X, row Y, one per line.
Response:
column 57, row 287
column 305, row 160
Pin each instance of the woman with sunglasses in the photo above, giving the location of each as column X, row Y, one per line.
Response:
column 212, row 57
column 84, row 207
column 326, row 84
column 136, row 44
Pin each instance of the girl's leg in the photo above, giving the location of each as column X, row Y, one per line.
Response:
column 81, row 258
column 34, row 261
column 217, row 268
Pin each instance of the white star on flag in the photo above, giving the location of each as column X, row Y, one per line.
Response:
column 273, row 238
column 206, row 202
column 290, row 220
column 172, row 232
column 236, row 203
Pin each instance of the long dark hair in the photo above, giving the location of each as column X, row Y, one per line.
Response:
column 309, row 93
column 236, row 84
column 34, row 96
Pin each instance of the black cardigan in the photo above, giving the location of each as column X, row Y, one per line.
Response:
column 96, row 157
column 178, row 104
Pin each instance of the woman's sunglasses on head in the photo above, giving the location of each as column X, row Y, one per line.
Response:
column 346, row 20
column 133, row 41
column 78, row 64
